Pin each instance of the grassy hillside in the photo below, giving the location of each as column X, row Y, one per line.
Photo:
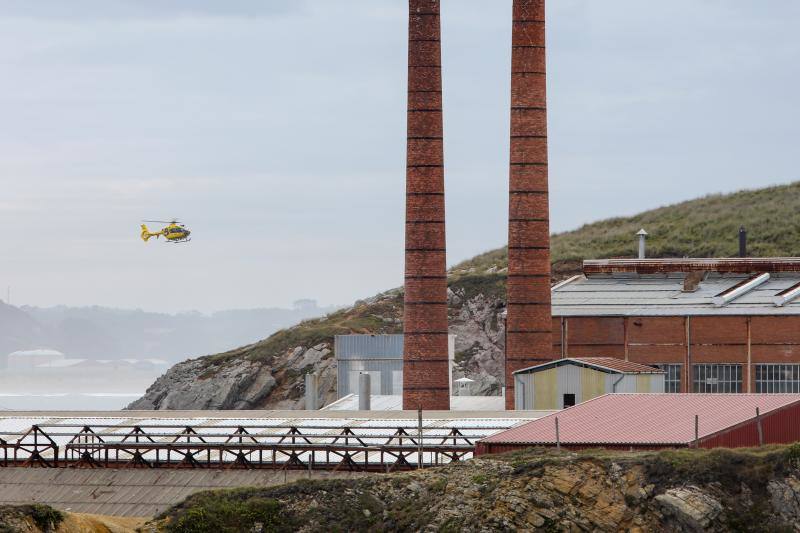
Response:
column 705, row 227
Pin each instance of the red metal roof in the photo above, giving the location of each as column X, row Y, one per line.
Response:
column 606, row 363
column 642, row 419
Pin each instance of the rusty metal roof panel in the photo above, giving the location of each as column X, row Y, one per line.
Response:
column 609, row 364
column 644, row 419
column 652, row 266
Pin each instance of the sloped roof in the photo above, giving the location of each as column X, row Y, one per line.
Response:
column 644, row 419
column 611, row 364
column 661, row 294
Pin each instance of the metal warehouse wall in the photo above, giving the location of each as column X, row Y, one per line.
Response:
column 368, row 346
column 745, row 340
column 781, row 426
column 386, row 376
column 381, row 356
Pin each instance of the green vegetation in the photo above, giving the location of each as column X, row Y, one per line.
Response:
column 754, row 467
column 43, row 516
column 705, row 227
column 245, row 509
column 229, row 512
column 376, row 317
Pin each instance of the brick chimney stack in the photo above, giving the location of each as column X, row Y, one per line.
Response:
column 426, row 380
column 529, row 322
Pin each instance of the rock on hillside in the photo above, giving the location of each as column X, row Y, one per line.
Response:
column 37, row 518
column 679, row 491
column 268, row 374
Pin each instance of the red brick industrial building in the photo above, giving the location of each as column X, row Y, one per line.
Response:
column 711, row 325
column 714, row 325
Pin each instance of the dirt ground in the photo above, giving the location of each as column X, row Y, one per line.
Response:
column 81, row 523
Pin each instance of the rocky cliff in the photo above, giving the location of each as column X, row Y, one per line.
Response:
column 676, row 491
column 269, row 374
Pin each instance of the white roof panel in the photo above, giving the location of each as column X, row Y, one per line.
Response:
column 662, row 295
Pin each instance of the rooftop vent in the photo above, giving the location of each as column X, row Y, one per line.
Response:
column 742, row 242
column 642, row 242
column 740, row 289
column 786, row 296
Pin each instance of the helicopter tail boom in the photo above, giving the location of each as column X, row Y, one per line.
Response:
column 146, row 234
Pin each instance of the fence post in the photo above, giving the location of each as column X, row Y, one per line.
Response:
column 419, row 436
column 558, row 437
column 760, row 429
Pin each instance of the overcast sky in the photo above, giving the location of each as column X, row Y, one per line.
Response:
column 275, row 129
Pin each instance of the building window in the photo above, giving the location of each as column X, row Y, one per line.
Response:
column 569, row 400
column 717, row 378
column 777, row 378
column 672, row 377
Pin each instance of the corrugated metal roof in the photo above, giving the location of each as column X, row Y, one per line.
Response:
column 318, row 427
column 662, row 295
column 642, row 419
column 611, row 364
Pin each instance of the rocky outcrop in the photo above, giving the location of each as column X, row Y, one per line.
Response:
column 191, row 385
column 478, row 325
column 690, row 491
column 690, row 507
column 241, row 383
column 269, row 374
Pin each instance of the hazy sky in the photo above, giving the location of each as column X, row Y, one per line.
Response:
column 276, row 130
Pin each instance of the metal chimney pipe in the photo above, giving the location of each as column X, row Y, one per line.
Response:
column 742, row 242
column 312, row 392
column 642, row 243
column 364, row 392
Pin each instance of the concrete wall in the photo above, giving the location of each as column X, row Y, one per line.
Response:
column 129, row 492
column 745, row 340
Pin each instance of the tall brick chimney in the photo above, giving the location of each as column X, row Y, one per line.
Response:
column 426, row 380
column 529, row 322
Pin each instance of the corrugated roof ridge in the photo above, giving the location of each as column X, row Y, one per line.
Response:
column 645, row 369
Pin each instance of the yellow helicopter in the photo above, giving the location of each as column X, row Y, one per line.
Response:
column 173, row 232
